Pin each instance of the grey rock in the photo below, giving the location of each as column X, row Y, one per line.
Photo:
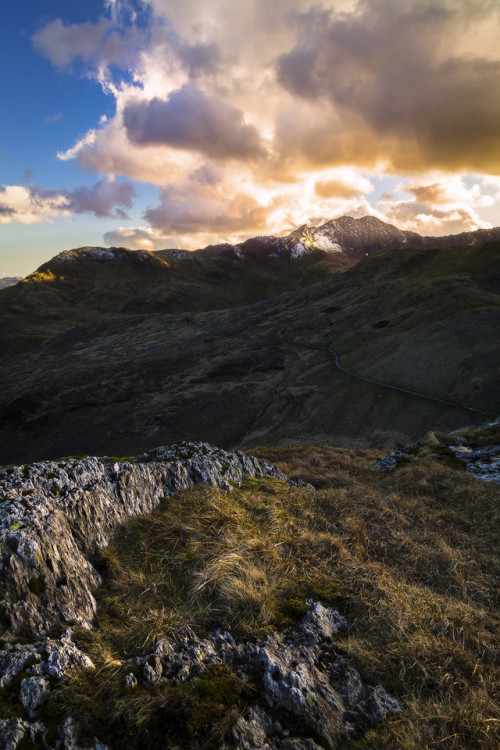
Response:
column 55, row 515
column 13, row 731
column 68, row 738
column 483, row 463
column 130, row 681
column 34, row 691
column 252, row 731
column 43, row 659
column 305, row 682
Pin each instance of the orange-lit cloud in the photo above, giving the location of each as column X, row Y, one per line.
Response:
column 288, row 110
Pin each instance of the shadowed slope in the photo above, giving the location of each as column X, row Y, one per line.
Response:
column 426, row 320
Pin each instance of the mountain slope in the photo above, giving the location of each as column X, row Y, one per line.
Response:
column 426, row 320
column 7, row 281
column 91, row 283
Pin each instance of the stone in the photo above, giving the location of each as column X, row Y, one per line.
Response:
column 34, row 691
column 14, row 731
column 306, row 684
column 130, row 680
column 54, row 515
column 43, row 659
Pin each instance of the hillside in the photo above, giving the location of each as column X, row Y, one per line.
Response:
column 426, row 320
column 203, row 599
column 90, row 284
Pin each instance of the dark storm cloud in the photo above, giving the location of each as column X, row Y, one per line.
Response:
column 391, row 73
column 194, row 121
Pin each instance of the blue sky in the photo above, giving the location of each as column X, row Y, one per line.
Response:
column 160, row 123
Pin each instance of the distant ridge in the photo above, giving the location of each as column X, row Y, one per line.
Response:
column 7, row 281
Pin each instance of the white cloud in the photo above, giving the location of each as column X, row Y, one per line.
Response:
column 291, row 106
column 33, row 204
column 444, row 204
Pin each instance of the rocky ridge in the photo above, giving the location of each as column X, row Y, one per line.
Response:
column 483, row 462
column 313, row 698
column 306, row 695
column 55, row 515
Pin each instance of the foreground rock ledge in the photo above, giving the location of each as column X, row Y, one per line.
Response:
column 305, row 694
column 54, row 515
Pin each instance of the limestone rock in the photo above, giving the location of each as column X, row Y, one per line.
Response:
column 309, row 688
column 483, row 463
column 45, row 658
column 34, row 691
column 14, row 731
column 54, row 515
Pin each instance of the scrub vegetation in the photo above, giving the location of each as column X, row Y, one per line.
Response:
column 409, row 557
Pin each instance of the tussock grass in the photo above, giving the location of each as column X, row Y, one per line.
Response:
column 409, row 557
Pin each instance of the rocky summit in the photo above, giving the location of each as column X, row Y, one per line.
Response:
column 54, row 516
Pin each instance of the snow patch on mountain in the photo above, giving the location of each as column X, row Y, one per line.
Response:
column 325, row 242
column 299, row 250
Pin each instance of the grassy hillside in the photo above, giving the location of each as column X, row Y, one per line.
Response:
column 426, row 320
column 408, row 557
column 93, row 284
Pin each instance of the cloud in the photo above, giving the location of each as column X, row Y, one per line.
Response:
column 34, row 204
column 201, row 58
column 390, row 73
column 100, row 44
column 342, row 183
column 191, row 120
column 443, row 204
column 51, row 119
column 28, row 206
column 138, row 238
column 182, row 211
column 257, row 116
column 102, row 198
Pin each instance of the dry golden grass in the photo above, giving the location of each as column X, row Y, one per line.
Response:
column 409, row 557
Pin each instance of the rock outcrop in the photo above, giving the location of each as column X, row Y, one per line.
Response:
column 483, row 463
column 306, row 696
column 55, row 515
column 313, row 698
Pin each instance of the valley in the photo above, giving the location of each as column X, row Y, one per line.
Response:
column 114, row 352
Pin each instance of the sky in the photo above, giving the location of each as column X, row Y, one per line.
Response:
column 182, row 123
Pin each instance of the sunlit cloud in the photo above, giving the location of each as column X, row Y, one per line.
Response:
column 32, row 204
column 259, row 116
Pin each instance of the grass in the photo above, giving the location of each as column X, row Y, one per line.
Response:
column 409, row 557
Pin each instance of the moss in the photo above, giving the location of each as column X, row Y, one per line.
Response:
column 294, row 609
column 37, row 586
column 14, row 527
column 200, row 709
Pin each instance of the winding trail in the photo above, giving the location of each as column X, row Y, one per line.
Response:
column 340, row 367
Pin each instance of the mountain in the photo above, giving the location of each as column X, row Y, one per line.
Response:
column 7, row 281
column 92, row 283
column 119, row 351
column 310, row 594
